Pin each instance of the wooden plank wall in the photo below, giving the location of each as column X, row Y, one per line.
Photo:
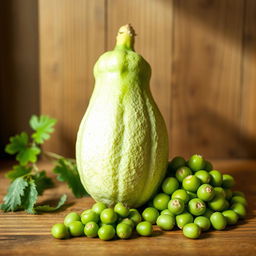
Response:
column 203, row 57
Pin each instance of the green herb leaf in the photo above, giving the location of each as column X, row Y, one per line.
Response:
column 48, row 208
column 30, row 197
column 19, row 145
column 18, row 171
column 42, row 182
column 67, row 172
column 43, row 126
column 13, row 198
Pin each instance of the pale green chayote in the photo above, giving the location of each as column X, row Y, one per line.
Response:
column 122, row 142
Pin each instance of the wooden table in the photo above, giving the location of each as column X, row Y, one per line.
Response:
column 25, row 234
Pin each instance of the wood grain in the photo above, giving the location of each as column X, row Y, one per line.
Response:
column 153, row 23
column 71, row 39
column 249, row 80
column 24, row 234
column 207, row 78
column 19, row 79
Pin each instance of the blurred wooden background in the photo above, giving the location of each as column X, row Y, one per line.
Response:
column 202, row 53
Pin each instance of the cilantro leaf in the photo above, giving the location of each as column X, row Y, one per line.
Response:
column 42, row 182
column 13, row 198
column 67, row 172
column 19, row 145
column 30, row 197
column 43, row 126
column 48, row 208
column 18, row 171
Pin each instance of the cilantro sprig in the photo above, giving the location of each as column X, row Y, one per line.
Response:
column 27, row 181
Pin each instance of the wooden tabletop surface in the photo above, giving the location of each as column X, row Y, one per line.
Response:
column 25, row 234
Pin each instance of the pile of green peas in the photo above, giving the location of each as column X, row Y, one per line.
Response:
column 193, row 197
column 105, row 223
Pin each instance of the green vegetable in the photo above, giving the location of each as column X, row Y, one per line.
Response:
column 208, row 166
column 135, row 216
column 239, row 199
column 203, row 176
column 98, row 207
column 122, row 142
column 72, row 216
column 128, row 222
column 150, row 214
column 202, row 222
column 206, row 192
column 108, row 216
column 196, row 163
column 91, row 229
column 166, row 211
column 191, row 183
column 176, row 163
column 239, row 209
column 160, row 201
column 231, row 217
column 181, row 194
column 218, row 221
column 196, row 206
column 176, row 206
column 123, row 230
column 216, row 178
column 169, row 185
column 121, row 210
column 217, row 203
column 76, row 228
column 191, row 230
column 182, row 173
column 228, row 181
column 183, row 219
column 59, row 231
column 165, row 222
column 106, row 232
column 144, row 228
column 90, row 216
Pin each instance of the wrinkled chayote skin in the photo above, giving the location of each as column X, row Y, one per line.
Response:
column 122, row 142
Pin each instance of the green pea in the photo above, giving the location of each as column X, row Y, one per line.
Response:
column 226, row 205
column 128, row 222
column 76, row 228
column 181, row 194
column 86, row 211
column 191, row 230
column 239, row 209
column 217, row 203
column 196, row 163
column 98, row 207
column 228, row 181
column 169, row 185
column 176, row 206
column 160, row 201
column 106, row 232
column 166, row 211
column 206, row 192
column 239, row 199
column 231, row 217
column 182, row 173
column 208, row 166
column 216, row 178
column 183, row 219
column 177, row 162
column 90, row 216
column 135, row 216
column 203, row 176
column 123, row 230
column 191, row 183
column 203, row 222
column 121, row 210
column 165, row 222
column 238, row 193
column 196, row 206
column 220, row 191
column 150, row 214
column 208, row 212
column 144, row 228
column 72, row 216
column 108, row 216
column 228, row 193
column 59, row 231
column 91, row 229
column 218, row 221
